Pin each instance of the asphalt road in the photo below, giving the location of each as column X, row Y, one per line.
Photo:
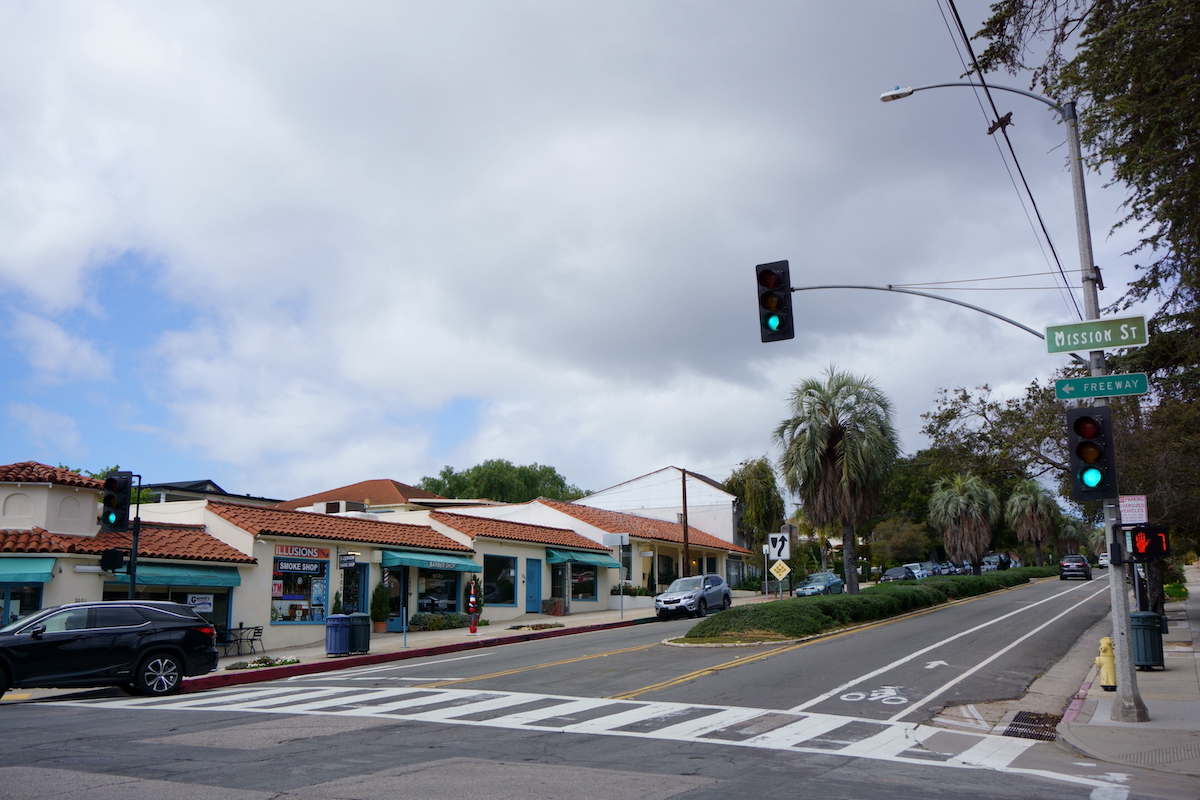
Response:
column 611, row 714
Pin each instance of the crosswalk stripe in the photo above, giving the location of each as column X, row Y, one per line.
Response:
column 882, row 740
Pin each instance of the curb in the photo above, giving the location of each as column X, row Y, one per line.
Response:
column 216, row 681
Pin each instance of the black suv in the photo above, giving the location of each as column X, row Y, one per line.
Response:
column 140, row 645
column 1074, row 567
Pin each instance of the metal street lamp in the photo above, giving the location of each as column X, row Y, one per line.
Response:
column 1128, row 706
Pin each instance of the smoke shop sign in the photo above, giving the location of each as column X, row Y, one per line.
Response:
column 301, row 551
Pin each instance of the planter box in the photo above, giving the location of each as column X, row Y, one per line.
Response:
column 614, row 602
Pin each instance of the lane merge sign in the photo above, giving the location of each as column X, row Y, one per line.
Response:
column 780, row 546
column 1097, row 334
column 1103, row 386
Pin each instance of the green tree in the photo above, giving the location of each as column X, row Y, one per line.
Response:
column 1133, row 66
column 839, row 447
column 759, row 500
column 503, row 481
column 964, row 508
column 898, row 541
column 1031, row 513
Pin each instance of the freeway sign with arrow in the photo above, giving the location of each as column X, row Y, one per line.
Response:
column 1103, row 386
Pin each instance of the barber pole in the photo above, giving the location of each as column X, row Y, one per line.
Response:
column 472, row 607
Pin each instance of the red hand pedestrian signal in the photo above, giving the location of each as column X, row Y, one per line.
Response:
column 1150, row 542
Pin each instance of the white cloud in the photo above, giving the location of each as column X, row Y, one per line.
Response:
column 55, row 355
column 49, row 431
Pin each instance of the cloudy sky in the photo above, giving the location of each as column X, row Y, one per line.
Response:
column 291, row 246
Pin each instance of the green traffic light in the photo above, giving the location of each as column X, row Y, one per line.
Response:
column 1091, row 477
column 773, row 322
column 110, row 517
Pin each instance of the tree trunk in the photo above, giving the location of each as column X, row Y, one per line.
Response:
column 850, row 558
column 1037, row 544
column 1155, row 595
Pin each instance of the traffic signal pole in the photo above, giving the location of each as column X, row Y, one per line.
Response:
column 1128, row 705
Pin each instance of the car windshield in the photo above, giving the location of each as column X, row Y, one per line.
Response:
column 684, row 585
column 820, row 577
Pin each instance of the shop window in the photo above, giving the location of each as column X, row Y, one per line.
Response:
column 437, row 590
column 583, row 582
column 19, row 601
column 499, row 580
column 298, row 590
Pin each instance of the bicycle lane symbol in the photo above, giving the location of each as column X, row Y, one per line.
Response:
column 888, row 695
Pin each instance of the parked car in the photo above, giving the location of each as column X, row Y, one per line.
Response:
column 696, row 596
column 1102, row 560
column 140, row 645
column 821, row 583
column 918, row 571
column 898, row 574
column 990, row 563
column 947, row 568
column 1074, row 567
column 931, row 568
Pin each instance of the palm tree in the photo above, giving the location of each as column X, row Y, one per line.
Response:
column 838, row 449
column 1032, row 514
column 1073, row 534
column 965, row 508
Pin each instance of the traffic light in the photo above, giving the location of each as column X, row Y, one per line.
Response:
column 1149, row 542
column 1090, row 452
column 112, row 560
column 775, row 301
column 114, row 505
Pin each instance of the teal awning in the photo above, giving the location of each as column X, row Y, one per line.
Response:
column 401, row 558
column 182, row 575
column 574, row 556
column 26, row 570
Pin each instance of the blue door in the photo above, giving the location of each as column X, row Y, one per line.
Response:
column 533, row 586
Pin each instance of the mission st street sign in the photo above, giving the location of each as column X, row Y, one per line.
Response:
column 1097, row 334
column 1103, row 386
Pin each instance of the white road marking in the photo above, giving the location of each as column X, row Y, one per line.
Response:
column 918, row 653
column 855, row 737
column 990, row 659
column 355, row 672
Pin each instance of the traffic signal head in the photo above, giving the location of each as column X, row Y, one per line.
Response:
column 775, row 301
column 112, row 560
column 114, row 504
column 1149, row 542
column 1090, row 453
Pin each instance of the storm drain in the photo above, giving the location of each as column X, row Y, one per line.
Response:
column 1031, row 725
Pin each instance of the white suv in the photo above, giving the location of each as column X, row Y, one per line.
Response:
column 918, row 571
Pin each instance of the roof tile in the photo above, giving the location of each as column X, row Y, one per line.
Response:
column 379, row 492
column 33, row 472
column 516, row 531
column 156, row 540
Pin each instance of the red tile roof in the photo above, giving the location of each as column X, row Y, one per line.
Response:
column 516, row 531
column 641, row 527
column 381, row 492
column 33, row 472
column 305, row 524
column 156, row 540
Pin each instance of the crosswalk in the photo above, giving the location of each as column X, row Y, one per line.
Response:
column 824, row 734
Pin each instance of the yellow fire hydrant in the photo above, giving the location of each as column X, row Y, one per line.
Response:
column 1108, row 665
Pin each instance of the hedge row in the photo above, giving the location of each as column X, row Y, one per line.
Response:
column 804, row 616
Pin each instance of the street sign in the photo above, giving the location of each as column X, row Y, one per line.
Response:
column 1096, row 334
column 1133, row 509
column 1104, row 386
column 780, row 570
column 780, row 545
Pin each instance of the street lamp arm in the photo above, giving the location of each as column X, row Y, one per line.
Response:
column 1065, row 110
column 1000, row 317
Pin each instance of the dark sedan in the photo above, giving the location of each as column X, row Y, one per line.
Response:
column 1074, row 567
column 140, row 645
column 899, row 574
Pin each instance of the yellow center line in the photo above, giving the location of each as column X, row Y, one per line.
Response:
column 536, row 666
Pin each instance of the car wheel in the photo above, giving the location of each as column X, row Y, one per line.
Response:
column 701, row 608
column 662, row 615
column 160, row 674
column 1062, row 577
column 3, row 682
column 726, row 603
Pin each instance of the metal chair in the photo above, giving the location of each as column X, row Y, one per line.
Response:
column 255, row 639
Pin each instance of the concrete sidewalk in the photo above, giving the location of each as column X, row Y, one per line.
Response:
column 1170, row 740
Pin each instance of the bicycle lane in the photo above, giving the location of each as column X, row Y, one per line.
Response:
column 990, row 659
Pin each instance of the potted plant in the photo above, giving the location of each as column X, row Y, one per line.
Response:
column 381, row 607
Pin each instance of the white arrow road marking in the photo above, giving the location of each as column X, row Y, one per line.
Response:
column 933, row 664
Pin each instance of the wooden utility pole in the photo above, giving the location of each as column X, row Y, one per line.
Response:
column 687, row 555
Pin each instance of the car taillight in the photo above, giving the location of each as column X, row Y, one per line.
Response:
column 207, row 630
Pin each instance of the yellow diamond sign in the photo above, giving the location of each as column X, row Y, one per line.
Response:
column 780, row 570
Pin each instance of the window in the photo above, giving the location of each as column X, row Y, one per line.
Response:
column 583, row 582
column 298, row 590
column 499, row 580
column 437, row 590
column 116, row 617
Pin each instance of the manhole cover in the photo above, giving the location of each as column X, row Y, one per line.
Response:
column 1031, row 725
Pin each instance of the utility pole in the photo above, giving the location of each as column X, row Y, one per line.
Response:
column 687, row 555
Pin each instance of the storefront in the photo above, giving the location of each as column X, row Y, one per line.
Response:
column 204, row 587
column 438, row 586
column 299, row 584
column 21, row 582
column 579, row 571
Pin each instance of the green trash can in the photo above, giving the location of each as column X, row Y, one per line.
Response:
column 360, row 632
column 1147, row 629
column 337, row 635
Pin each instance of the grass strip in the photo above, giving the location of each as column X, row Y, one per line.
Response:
column 796, row 617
